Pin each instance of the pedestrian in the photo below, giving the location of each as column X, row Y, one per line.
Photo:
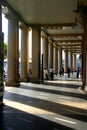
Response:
column 51, row 71
column 78, row 71
column 68, row 72
column 60, row 71
column 47, row 74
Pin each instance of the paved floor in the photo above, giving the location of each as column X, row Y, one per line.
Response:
column 54, row 105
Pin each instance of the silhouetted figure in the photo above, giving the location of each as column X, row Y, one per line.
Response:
column 51, row 71
column 78, row 71
column 47, row 74
column 68, row 72
column 60, row 72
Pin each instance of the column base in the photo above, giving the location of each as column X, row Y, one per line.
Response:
column 24, row 79
column 85, row 89
column 35, row 80
column 12, row 83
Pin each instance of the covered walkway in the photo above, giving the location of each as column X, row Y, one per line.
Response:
column 54, row 105
column 58, row 27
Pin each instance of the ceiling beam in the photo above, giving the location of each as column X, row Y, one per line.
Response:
column 71, row 48
column 65, row 35
column 76, row 52
column 70, row 45
column 67, row 41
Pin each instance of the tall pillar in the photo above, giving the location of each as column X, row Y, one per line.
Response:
column 35, row 54
column 71, row 60
column 58, row 61
column 60, row 57
column 13, row 51
column 66, row 60
column 1, row 59
column 24, row 53
column 50, row 55
column 45, row 51
column 84, row 54
column 74, row 62
column 55, row 59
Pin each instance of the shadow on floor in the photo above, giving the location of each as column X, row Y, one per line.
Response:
column 64, row 93
column 13, row 119
column 64, row 110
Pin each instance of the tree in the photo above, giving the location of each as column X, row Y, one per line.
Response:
column 5, row 50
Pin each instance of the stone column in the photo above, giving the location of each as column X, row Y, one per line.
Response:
column 1, row 59
column 55, row 59
column 71, row 60
column 50, row 55
column 13, row 51
column 35, row 54
column 60, row 57
column 74, row 62
column 24, row 53
column 45, row 51
column 84, row 54
column 66, row 60
column 58, row 61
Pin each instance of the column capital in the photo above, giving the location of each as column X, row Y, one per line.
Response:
column 50, row 42
column 22, row 26
column 54, row 45
column 10, row 15
column 43, row 35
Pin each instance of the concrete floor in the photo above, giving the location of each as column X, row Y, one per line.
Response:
column 54, row 105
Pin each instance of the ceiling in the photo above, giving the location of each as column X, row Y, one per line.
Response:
column 56, row 18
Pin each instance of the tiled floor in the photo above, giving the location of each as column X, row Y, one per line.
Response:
column 54, row 105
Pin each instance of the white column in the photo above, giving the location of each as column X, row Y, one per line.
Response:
column 35, row 54
column 1, row 59
column 50, row 54
column 60, row 57
column 66, row 60
column 45, row 51
column 55, row 59
column 71, row 60
column 13, row 50
column 84, row 52
column 24, row 53
column 74, row 62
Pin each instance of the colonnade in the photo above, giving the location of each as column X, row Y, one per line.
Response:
column 52, row 54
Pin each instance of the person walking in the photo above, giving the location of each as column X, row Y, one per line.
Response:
column 68, row 72
column 78, row 71
column 51, row 71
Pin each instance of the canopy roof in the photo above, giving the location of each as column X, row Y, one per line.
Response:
column 56, row 18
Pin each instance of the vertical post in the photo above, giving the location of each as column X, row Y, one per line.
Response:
column 42, row 68
column 1, row 59
column 35, row 54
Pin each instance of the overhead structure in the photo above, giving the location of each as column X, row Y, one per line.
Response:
column 59, row 20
